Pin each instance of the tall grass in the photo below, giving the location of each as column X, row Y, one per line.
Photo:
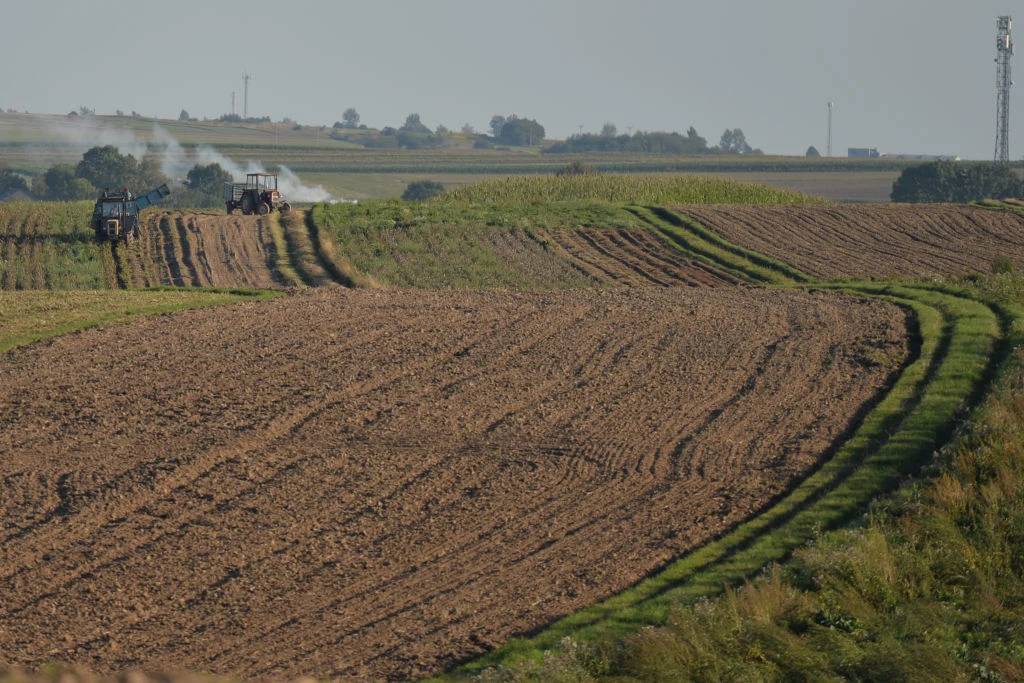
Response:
column 640, row 189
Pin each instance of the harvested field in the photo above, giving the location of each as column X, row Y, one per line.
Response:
column 378, row 484
column 872, row 241
column 200, row 250
column 634, row 258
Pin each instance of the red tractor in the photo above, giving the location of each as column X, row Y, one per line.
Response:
column 258, row 194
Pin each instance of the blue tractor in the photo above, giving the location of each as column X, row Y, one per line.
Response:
column 116, row 214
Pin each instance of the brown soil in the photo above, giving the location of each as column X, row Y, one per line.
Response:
column 379, row 484
column 634, row 258
column 872, row 241
column 200, row 250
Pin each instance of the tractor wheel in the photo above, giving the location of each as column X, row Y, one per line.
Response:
column 284, row 207
column 263, row 208
column 247, row 206
column 230, row 208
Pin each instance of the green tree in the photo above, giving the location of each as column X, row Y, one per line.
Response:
column 577, row 168
column 9, row 180
column 609, row 130
column 350, row 118
column 208, row 179
column 522, row 132
column 183, row 116
column 734, row 141
column 951, row 181
column 497, row 123
column 60, row 183
column 107, row 168
column 419, row 190
column 414, row 125
column 812, row 151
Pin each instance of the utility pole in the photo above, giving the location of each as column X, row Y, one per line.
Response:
column 245, row 100
column 828, row 144
column 234, row 109
column 1004, row 51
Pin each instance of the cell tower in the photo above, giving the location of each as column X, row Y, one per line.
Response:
column 1004, row 51
column 245, row 98
column 828, row 144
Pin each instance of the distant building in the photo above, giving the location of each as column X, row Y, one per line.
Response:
column 862, row 153
column 16, row 196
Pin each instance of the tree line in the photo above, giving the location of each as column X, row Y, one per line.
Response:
column 105, row 168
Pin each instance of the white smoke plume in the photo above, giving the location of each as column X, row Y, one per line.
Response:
column 175, row 161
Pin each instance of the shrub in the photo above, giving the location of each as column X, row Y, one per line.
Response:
column 419, row 190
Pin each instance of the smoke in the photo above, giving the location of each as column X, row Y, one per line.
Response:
column 175, row 160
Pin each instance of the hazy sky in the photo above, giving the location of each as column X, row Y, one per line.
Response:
column 911, row 76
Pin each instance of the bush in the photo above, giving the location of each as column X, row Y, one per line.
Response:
column 951, row 181
column 419, row 190
column 577, row 168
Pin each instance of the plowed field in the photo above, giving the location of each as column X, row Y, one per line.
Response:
column 378, row 484
column 634, row 258
column 200, row 250
column 877, row 240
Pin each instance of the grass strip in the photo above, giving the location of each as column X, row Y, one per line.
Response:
column 30, row 316
column 677, row 220
column 895, row 439
column 696, row 246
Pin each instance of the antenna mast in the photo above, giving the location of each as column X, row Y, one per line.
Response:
column 1004, row 51
column 828, row 146
column 245, row 99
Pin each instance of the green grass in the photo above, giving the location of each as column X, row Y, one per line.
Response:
column 28, row 317
column 458, row 245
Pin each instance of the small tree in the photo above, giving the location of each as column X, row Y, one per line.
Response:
column 350, row 118
column 59, row 183
column 419, row 190
column 734, row 141
column 183, row 116
column 9, row 180
column 812, row 151
column 497, row 123
column 577, row 168
column 208, row 179
column 414, row 125
column 468, row 129
column 522, row 132
column 106, row 167
column 609, row 130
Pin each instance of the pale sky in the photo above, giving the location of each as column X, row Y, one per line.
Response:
column 906, row 76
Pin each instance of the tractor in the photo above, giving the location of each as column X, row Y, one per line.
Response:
column 258, row 194
column 116, row 214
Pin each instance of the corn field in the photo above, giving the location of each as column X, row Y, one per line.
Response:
column 642, row 189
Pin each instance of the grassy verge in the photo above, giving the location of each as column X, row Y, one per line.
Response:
column 27, row 317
